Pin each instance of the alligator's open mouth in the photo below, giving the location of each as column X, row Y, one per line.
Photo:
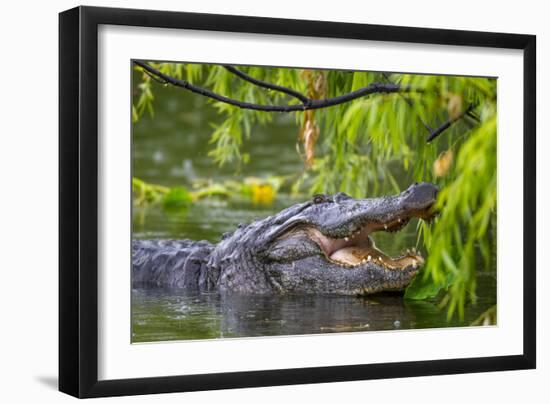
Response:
column 358, row 248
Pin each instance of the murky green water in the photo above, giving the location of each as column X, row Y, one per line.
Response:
column 171, row 149
column 173, row 314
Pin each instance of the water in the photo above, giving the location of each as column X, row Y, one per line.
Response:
column 173, row 314
column 171, row 149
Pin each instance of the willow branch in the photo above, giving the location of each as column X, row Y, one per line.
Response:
column 447, row 124
column 472, row 115
column 375, row 88
column 265, row 84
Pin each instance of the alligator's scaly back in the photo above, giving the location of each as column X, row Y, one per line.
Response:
column 173, row 263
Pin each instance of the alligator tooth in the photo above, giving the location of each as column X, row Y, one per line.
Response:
column 380, row 259
column 346, row 238
column 369, row 258
column 414, row 263
column 398, row 220
column 363, row 261
column 385, row 226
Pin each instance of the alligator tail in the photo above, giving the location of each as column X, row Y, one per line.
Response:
column 172, row 263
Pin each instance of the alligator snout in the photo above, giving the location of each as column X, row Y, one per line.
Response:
column 420, row 195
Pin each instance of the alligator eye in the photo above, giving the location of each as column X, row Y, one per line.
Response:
column 319, row 198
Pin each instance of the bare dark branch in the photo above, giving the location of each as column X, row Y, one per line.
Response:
column 270, row 86
column 375, row 88
column 447, row 124
column 154, row 78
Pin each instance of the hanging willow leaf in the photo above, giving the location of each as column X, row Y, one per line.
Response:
column 454, row 106
column 443, row 163
column 309, row 134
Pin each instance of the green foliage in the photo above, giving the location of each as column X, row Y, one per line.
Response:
column 468, row 210
column 177, row 198
column 260, row 191
column 375, row 145
column 143, row 98
column 172, row 199
column 146, row 194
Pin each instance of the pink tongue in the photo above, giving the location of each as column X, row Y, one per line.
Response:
column 329, row 245
column 348, row 255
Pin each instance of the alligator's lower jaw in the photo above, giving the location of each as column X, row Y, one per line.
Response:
column 359, row 249
column 359, row 255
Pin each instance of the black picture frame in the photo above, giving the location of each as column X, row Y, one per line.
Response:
column 78, row 201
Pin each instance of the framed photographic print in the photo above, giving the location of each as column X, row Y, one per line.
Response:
column 251, row 201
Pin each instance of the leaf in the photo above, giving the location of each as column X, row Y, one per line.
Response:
column 443, row 163
column 308, row 136
column 135, row 115
column 177, row 198
column 424, row 288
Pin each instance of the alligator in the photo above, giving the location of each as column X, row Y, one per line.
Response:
column 323, row 245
